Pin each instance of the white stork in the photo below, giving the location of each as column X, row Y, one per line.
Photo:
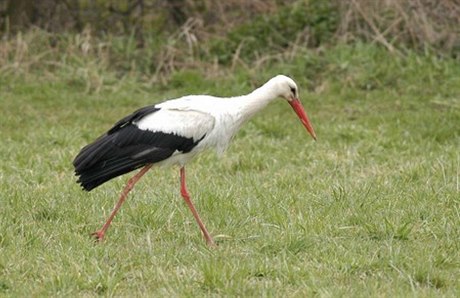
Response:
column 173, row 132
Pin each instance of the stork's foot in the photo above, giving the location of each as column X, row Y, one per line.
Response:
column 211, row 243
column 98, row 236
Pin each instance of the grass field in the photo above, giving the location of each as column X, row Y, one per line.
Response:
column 370, row 209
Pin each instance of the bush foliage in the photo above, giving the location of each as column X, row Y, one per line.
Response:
column 154, row 38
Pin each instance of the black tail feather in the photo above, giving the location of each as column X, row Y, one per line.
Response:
column 104, row 171
column 110, row 156
column 125, row 148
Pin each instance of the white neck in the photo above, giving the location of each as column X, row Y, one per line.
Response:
column 246, row 106
column 238, row 110
column 235, row 111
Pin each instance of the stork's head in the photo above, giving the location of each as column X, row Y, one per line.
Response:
column 286, row 88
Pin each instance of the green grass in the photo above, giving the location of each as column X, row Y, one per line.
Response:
column 371, row 209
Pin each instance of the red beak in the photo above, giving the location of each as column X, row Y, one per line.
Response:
column 300, row 111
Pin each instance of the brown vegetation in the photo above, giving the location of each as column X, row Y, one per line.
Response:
column 414, row 23
column 153, row 38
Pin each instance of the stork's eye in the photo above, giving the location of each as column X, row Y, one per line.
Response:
column 293, row 90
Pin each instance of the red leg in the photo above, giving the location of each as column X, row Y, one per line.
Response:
column 186, row 196
column 100, row 234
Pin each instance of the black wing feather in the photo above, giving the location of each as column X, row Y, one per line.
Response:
column 137, row 115
column 124, row 148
